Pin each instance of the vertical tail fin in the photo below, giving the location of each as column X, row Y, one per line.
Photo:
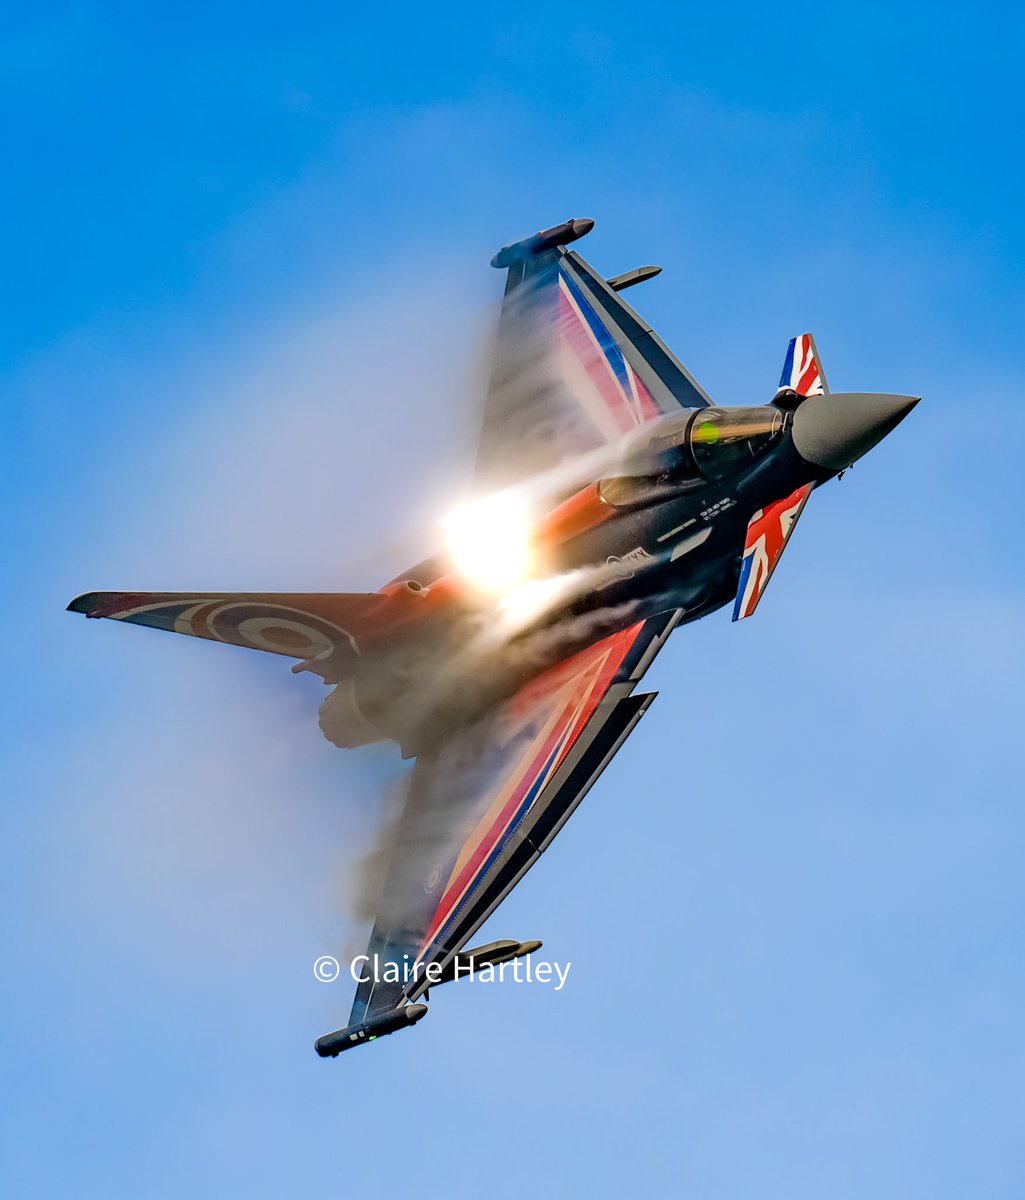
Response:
column 802, row 368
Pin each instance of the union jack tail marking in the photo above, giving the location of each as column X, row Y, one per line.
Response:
column 802, row 368
column 768, row 532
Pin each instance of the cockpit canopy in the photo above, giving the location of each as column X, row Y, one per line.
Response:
column 681, row 453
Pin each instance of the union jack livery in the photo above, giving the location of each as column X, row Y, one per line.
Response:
column 767, row 535
column 594, row 362
column 612, row 501
column 802, row 370
column 545, row 747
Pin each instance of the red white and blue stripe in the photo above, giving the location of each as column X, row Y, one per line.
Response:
column 556, row 708
column 602, row 379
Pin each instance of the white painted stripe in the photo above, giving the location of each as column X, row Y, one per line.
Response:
column 691, row 543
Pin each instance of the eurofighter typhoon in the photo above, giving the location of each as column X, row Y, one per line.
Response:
column 613, row 502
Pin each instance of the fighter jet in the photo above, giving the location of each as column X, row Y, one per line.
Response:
column 613, row 501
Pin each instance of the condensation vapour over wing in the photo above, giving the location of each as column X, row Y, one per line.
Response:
column 544, row 425
column 316, row 454
column 291, row 459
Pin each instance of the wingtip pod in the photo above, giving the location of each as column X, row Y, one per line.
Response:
column 547, row 239
column 332, row 1044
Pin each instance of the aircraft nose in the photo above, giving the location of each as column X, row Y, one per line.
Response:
column 834, row 430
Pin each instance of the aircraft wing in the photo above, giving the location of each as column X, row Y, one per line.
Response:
column 482, row 809
column 575, row 367
column 327, row 630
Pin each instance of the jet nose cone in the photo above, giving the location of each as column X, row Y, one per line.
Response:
column 834, row 430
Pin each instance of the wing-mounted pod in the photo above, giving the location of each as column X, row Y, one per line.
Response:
column 332, row 1044
column 547, row 239
column 491, row 955
column 619, row 283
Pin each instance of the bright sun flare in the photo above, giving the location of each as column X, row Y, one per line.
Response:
column 489, row 541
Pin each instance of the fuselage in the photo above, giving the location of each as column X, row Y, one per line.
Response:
column 662, row 529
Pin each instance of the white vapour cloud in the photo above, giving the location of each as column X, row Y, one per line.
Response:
column 207, row 816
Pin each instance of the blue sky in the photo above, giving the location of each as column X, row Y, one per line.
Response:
column 246, row 292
